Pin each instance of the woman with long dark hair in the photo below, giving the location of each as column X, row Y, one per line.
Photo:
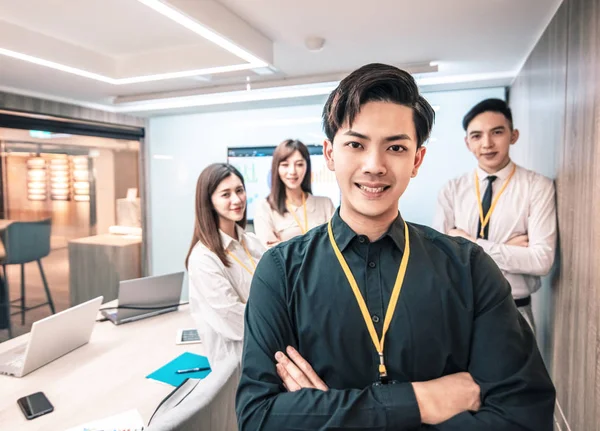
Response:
column 290, row 209
column 221, row 261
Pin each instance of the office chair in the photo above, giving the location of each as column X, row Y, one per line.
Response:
column 205, row 405
column 25, row 242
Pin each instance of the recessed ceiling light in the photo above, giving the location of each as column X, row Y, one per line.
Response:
column 314, row 43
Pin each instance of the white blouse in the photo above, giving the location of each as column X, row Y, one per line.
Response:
column 270, row 226
column 218, row 294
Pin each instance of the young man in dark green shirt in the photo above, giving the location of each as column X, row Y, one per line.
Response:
column 371, row 323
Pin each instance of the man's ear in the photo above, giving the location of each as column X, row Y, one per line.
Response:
column 419, row 156
column 328, row 153
column 514, row 137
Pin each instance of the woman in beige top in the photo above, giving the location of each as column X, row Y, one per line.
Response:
column 290, row 209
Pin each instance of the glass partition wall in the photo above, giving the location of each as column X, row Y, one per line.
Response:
column 88, row 188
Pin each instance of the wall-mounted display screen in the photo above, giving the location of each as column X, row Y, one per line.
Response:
column 255, row 165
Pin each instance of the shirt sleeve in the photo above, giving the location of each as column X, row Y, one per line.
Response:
column 263, row 224
column 220, row 305
column 516, row 390
column 263, row 403
column 443, row 219
column 538, row 257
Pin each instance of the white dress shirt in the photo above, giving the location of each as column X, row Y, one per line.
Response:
column 270, row 226
column 218, row 294
column 526, row 207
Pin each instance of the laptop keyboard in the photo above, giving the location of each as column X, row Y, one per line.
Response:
column 16, row 362
column 14, row 358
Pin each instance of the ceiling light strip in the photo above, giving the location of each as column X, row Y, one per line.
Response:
column 185, row 74
column 199, row 29
column 56, row 66
column 226, row 98
column 124, row 81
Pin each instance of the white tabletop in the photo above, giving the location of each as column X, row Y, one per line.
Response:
column 102, row 378
column 109, row 240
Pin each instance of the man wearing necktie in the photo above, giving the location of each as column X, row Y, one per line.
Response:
column 514, row 219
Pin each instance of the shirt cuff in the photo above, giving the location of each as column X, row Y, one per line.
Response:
column 485, row 244
column 401, row 406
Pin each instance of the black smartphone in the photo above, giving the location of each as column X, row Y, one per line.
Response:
column 35, row 405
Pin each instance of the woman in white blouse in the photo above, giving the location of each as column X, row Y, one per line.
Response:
column 290, row 209
column 221, row 261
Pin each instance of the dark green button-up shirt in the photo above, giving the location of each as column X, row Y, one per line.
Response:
column 455, row 313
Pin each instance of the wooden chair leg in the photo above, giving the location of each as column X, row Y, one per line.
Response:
column 48, row 295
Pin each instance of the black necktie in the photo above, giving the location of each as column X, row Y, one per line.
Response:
column 486, row 203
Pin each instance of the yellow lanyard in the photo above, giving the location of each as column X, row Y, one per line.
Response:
column 251, row 272
column 305, row 228
column 485, row 219
column 361, row 302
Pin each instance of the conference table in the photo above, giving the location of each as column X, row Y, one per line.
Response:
column 103, row 378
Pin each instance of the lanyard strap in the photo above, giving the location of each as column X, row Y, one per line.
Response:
column 251, row 272
column 485, row 219
column 305, row 228
column 378, row 343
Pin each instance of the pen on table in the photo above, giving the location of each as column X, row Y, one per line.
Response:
column 192, row 370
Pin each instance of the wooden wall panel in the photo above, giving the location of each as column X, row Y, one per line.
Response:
column 537, row 98
column 127, row 172
column 556, row 100
column 579, row 377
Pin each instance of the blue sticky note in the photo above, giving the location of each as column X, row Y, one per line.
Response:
column 168, row 373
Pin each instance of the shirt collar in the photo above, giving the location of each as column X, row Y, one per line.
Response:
column 311, row 203
column 502, row 174
column 226, row 240
column 344, row 234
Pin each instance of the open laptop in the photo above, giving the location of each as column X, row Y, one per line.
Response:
column 153, row 295
column 51, row 338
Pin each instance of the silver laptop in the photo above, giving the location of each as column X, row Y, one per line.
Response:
column 52, row 338
column 147, row 297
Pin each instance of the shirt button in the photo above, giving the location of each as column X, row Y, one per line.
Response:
column 372, row 265
column 361, row 239
column 375, row 318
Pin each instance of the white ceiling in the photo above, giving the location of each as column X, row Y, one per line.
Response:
column 475, row 43
column 110, row 27
column 469, row 36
